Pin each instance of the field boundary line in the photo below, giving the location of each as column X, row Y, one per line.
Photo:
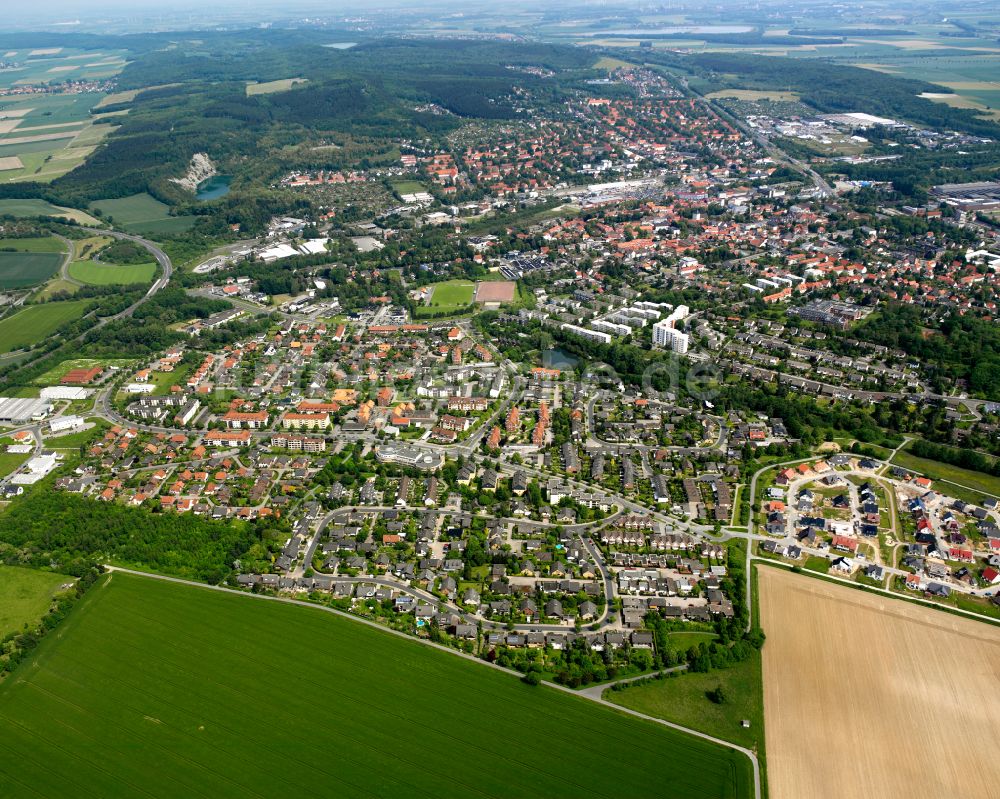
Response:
column 472, row 658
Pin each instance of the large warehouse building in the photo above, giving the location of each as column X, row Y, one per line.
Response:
column 14, row 410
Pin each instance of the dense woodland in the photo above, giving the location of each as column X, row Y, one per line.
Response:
column 52, row 527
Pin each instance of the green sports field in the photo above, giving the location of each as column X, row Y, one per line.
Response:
column 25, row 596
column 452, row 294
column 168, row 690
column 112, row 274
column 31, row 325
column 408, row 187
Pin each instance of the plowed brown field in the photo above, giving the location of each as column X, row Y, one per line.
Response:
column 869, row 696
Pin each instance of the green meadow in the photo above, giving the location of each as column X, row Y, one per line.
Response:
column 25, row 596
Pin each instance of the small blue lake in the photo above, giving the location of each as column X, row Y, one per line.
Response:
column 213, row 188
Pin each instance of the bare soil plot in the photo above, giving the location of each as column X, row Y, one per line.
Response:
column 9, row 162
column 495, row 291
column 870, row 696
column 7, row 125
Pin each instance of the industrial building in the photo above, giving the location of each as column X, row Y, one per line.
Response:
column 15, row 410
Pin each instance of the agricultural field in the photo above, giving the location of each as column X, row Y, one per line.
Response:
column 609, row 64
column 28, row 208
column 898, row 698
column 28, row 262
column 452, row 294
column 45, row 136
column 750, row 95
column 25, row 596
column 34, row 323
column 44, row 65
column 142, row 214
column 111, row 274
column 273, row 86
column 175, row 696
column 20, row 270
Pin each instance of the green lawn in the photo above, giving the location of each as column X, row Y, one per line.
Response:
column 977, row 481
column 9, row 461
column 25, row 596
column 213, row 695
column 35, row 322
column 682, row 700
column 22, row 269
column 79, row 437
column 683, row 641
column 817, row 563
column 452, row 294
column 112, row 274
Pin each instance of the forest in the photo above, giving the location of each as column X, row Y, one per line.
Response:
column 47, row 528
column 961, row 347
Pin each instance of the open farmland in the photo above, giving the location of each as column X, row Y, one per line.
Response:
column 142, row 213
column 25, row 208
column 49, row 135
column 897, row 700
column 170, row 707
column 273, row 86
column 32, row 324
column 21, row 269
column 25, row 595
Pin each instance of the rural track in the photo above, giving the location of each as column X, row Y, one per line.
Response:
column 472, row 658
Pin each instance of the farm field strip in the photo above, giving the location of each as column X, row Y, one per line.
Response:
column 42, row 208
column 30, row 325
column 22, row 269
column 901, row 698
column 360, row 709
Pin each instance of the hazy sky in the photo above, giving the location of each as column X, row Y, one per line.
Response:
column 90, row 11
